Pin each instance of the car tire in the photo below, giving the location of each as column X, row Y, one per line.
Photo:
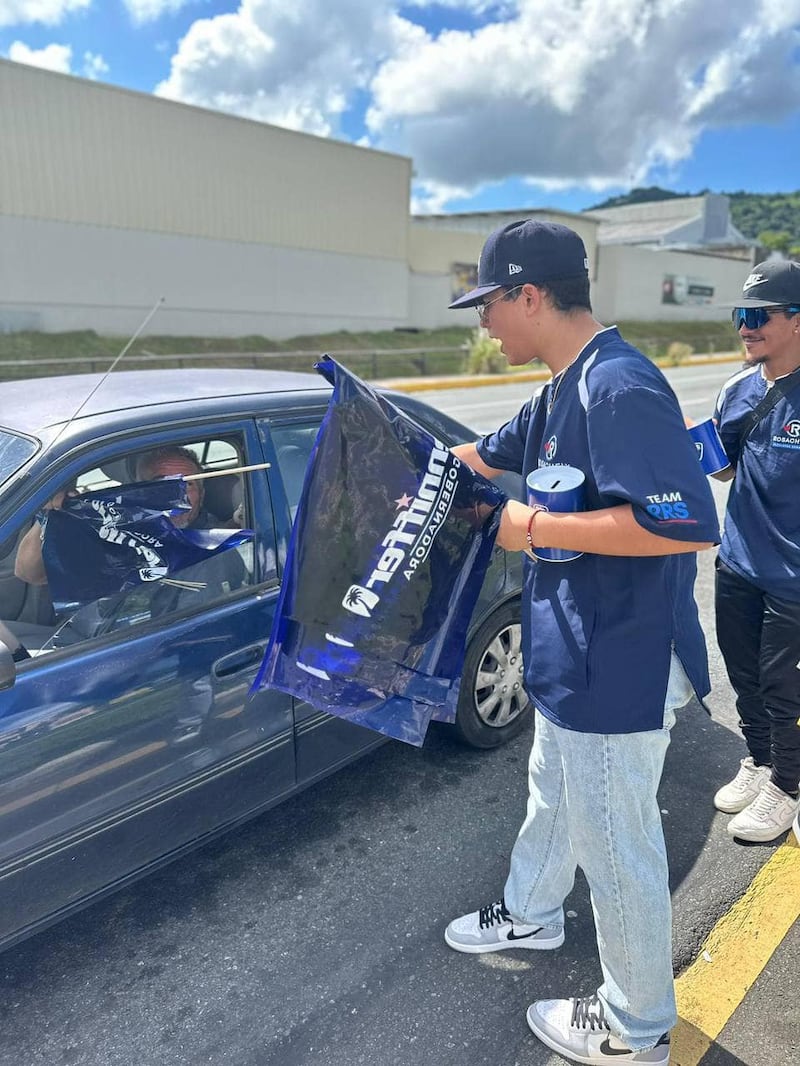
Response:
column 493, row 706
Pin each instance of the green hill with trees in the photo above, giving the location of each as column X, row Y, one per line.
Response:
column 772, row 219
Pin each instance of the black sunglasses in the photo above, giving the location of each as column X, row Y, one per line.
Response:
column 756, row 317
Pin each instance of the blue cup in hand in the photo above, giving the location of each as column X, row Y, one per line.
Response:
column 556, row 488
column 710, row 451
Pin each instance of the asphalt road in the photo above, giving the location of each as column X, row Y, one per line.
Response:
column 314, row 933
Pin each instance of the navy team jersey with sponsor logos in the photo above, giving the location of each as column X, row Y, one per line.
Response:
column 761, row 539
column 598, row 630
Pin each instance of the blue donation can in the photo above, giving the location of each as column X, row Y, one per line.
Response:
column 710, row 452
column 556, row 488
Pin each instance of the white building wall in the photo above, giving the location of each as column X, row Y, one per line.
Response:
column 631, row 283
column 62, row 276
column 428, row 296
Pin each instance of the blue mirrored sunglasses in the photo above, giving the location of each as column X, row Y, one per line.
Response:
column 756, row 317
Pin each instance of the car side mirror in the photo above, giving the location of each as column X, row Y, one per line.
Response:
column 8, row 668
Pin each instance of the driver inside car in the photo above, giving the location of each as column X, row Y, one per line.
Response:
column 193, row 585
column 29, row 565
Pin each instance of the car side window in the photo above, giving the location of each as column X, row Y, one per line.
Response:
column 78, row 559
column 293, row 445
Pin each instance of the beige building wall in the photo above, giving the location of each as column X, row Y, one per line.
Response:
column 432, row 251
column 79, row 151
column 642, row 283
column 438, row 244
column 243, row 227
column 110, row 200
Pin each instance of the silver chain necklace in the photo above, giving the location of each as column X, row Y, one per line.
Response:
column 555, row 384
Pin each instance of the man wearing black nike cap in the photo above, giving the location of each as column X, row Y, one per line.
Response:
column 758, row 569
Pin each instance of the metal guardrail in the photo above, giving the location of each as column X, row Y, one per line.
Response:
column 425, row 361
column 420, row 356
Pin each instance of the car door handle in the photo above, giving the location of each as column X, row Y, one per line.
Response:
column 239, row 660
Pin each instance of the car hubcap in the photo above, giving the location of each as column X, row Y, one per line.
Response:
column 499, row 695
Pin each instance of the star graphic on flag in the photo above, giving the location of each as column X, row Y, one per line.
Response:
column 404, row 501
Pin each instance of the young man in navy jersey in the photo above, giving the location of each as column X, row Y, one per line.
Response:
column 612, row 641
column 758, row 569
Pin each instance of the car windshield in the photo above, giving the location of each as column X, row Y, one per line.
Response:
column 14, row 452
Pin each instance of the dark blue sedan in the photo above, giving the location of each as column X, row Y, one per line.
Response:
column 127, row 735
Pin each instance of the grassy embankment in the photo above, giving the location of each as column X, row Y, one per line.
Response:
column 393, row 353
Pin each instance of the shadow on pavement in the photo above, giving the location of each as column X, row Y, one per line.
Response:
column 717, row 1056
column 691, row 1047
column 702, row 757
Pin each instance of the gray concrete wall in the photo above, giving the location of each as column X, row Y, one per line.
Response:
column 61, row 276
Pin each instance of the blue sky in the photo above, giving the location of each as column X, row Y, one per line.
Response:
column 500, row 103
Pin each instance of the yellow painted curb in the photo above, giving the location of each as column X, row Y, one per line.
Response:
column 736, row 951
column 469, row 381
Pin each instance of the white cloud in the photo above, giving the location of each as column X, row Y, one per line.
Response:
column 17, row 12
column 592, row 93
column 56, row 57
column 579, row 92
column 297, row 65
column 494, row 9
column 149, row 10
column 94, row 66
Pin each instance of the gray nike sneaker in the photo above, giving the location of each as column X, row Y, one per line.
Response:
column 493, row 929
column 578, row 1030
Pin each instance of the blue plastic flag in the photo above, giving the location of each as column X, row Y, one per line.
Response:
column 110, row 541
column 388, row 552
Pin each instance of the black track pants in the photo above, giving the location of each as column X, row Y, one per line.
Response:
column 759, row 637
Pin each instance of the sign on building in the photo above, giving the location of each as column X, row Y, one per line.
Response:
column 463, row 277
column 682, row 289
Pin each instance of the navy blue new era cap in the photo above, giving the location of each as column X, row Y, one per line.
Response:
column 525, row 252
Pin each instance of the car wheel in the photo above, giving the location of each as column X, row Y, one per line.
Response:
column 493, row 706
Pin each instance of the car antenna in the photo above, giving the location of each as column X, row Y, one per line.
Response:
column 189, row 477
column 126, row 349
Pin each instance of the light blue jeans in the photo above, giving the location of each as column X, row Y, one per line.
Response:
column 593, row 804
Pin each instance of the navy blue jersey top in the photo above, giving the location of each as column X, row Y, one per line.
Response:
column 761, row 541
column 598, row 631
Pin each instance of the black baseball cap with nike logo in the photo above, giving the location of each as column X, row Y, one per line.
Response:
column 775, row 282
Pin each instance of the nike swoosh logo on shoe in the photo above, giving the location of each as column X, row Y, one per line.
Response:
column 607, row 1049
column 511, row 935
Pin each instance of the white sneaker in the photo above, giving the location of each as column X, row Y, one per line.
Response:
column 744, row 788
column 770, row 814
column 796, row 827
column 578, row 1030
column 493, row 929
